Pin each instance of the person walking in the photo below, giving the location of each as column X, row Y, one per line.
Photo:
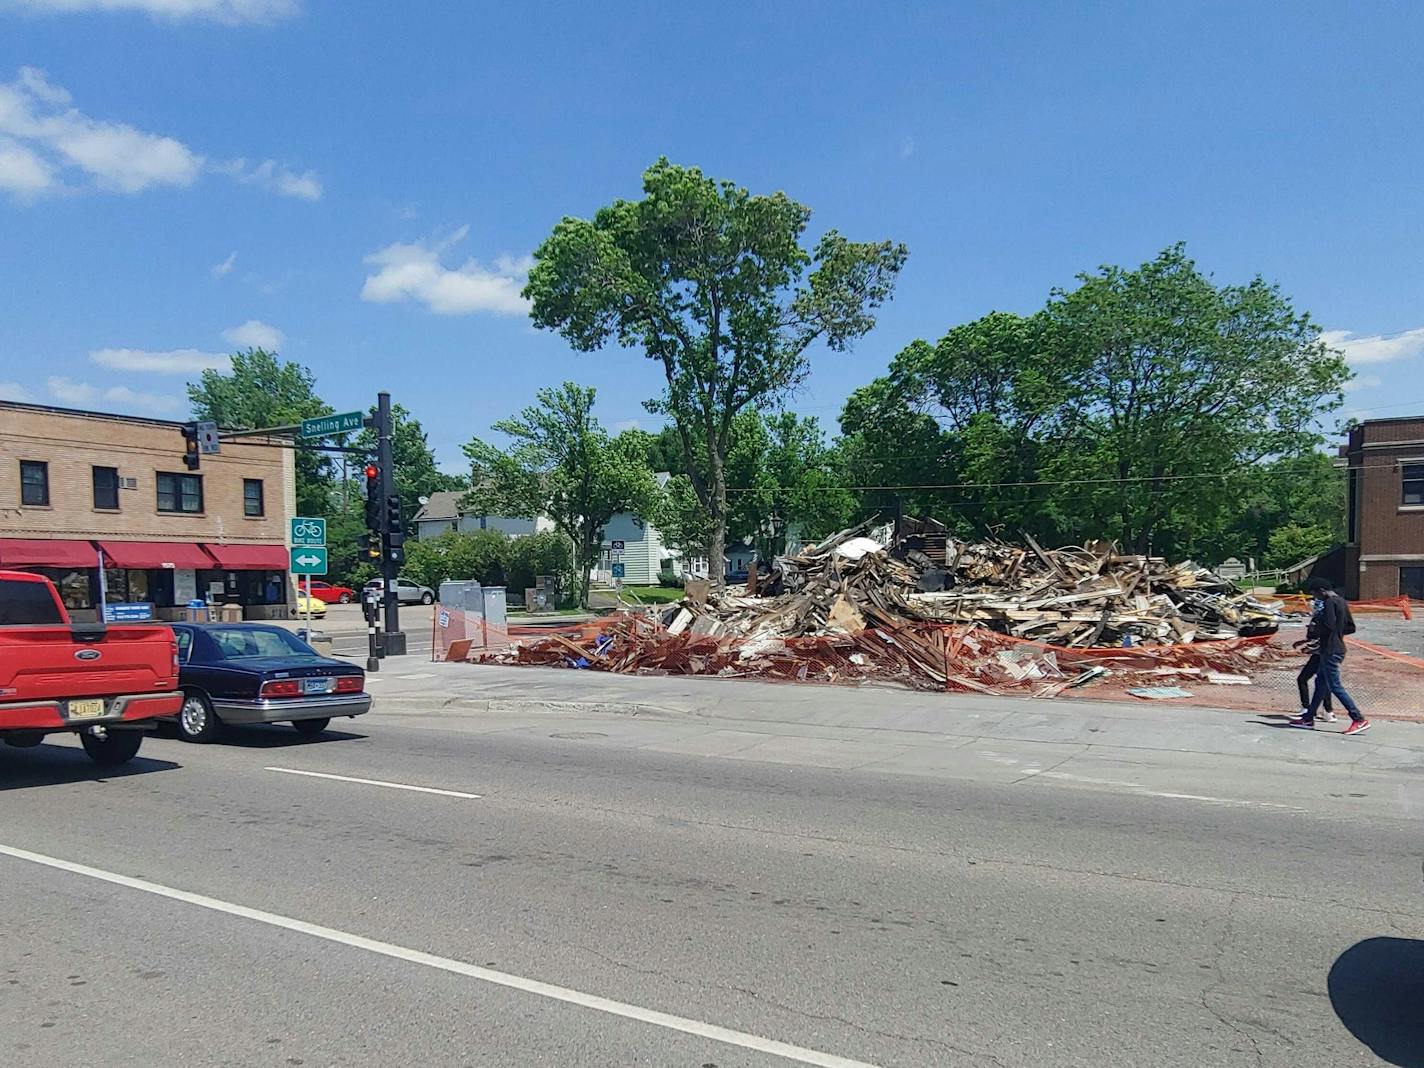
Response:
column 1333, row 622
column 1311, row 668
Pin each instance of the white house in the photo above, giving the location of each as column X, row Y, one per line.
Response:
column 443, row 512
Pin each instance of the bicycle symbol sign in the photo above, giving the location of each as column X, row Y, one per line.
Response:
column 308, row 530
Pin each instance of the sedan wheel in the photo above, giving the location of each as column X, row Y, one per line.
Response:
column 197, row 722
column 427, row 598
column 311, row 726
column 345, row 598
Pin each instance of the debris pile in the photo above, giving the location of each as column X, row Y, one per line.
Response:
column 930, row 612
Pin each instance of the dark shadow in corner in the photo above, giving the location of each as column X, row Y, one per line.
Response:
column 1377, row 990
column 61, row 765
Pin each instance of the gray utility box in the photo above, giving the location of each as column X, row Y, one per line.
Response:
column 469, row 610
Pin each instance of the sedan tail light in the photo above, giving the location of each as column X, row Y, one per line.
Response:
column 350, row 683
column 282, row 688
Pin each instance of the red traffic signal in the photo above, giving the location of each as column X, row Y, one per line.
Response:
column 372, row 471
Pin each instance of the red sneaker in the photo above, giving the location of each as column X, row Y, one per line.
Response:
column 1357, row 726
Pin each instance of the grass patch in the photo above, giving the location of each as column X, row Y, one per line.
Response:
column 654, row 594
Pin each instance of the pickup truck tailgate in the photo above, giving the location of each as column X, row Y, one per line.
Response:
column 43, row 660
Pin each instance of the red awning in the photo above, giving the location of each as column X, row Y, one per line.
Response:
column 249, row 557
column 46, row 552
column 143, row 555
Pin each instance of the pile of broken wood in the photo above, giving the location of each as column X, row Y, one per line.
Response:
column 922, row 609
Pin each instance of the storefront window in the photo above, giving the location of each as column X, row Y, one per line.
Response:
column 125, row 585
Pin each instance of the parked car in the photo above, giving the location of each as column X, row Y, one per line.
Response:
column 106, row 683
column 310, row 606
column 325, row 591
column 407, row 592
column 259, row 673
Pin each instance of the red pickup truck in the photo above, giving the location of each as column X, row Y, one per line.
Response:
column 105, row 683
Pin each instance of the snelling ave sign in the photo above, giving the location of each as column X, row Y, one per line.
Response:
column 332, row 424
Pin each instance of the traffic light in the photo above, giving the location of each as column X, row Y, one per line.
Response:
column 395, row 530
column 370, row 547
column 191, row 455
column 373, row 500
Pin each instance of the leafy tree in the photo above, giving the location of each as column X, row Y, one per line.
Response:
column 682, row 520
column 712, row 283
column 475, row 554
column 528, row 556
column 1290, row 544
column 563, row 465
column 258, row 391
column 1179, row 387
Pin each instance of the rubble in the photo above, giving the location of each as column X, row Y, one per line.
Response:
column 928, row 611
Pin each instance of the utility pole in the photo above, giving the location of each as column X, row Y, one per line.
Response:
column 385, row 460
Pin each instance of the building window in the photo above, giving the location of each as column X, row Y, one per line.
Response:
column 1413, row 483
column 252, row 497
column 34, row 482
column 106, row 488
column 1411, row 583
column 179, row 493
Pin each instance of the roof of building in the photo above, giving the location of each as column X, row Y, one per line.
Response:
column 86, row 414
column 443, row 504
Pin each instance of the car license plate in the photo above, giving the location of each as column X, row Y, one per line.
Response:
column 87, row 709
column 318, row 685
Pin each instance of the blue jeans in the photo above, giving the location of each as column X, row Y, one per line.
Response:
column 1328, row 682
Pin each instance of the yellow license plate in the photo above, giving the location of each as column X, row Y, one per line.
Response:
column 86, row 709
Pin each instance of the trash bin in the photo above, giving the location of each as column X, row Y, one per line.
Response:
column 198, row 612
column 232, row 613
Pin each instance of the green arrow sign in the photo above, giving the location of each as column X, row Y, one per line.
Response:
column 332, row 424
column 308, row 560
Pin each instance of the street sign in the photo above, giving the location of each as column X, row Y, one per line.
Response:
column 308, row 530
column 332, row 424
column 308, row 560
column 618, row 571
column 208, row 443
column 617, row 546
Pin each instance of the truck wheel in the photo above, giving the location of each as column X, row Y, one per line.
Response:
column 311, row 726
column 117, row 747
column 197, row 722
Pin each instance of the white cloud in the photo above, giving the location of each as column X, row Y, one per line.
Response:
column 627, row 424
column 255, row 334
column 414, row 272
column 1376, row 348
column 222, row 270
column 44, row 140
column 15, row 392
column 22, row 173
column 1366, row 382
column 86, row 395
column 174, row 361
column 230, row 12
column 273, row 177
column 907, row 147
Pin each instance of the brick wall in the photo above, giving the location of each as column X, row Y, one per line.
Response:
column 1389, row 532
column 73, row 443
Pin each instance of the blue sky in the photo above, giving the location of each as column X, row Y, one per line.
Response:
column 360, row 183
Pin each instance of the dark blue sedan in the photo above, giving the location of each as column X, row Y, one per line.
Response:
column 257, row 673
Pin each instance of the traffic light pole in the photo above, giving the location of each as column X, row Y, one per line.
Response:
column 385, row 460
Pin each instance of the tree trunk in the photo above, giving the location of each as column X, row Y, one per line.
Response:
column 717, row 550
column 587, row 555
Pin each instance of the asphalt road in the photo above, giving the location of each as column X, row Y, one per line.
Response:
column 686, row 909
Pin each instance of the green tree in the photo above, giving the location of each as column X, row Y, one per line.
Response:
column 562, row 464
column 259, row 390
column 1293, row 543
column 528, row 556
column 712, row 283
column 458, row 555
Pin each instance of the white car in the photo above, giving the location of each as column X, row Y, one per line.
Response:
column 407, row 592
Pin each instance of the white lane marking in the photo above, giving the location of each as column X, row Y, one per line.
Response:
column 1137, row 788
column 376, row 782
column 458, row 967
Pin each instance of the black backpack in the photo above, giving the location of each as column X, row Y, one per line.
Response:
column 1347, row 621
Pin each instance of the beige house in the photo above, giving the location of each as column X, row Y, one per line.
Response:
column 106, row 507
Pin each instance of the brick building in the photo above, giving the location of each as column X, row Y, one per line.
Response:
column 104, row 505
column 1384, row 551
